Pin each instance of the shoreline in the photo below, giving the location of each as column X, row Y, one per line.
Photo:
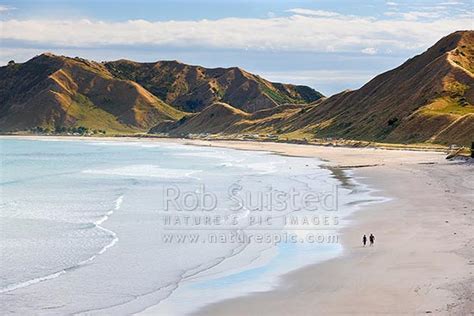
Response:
column 421, row 258
column 424, row 147
column 415, row 260
column 320, row 151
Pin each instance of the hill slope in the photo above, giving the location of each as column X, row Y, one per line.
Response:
column 51, row 91
column 429, row 98
column 222, row 118
column 192, row 88
column 217, row 118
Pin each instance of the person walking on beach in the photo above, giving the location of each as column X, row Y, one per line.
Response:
column 364, row 240
column 372, row 239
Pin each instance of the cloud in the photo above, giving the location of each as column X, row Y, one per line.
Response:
column 306, row 33
column 313, row 12
column 428, row 12
column 450, row 9
column 454, row 2
column 415, row 15
column 390, row 3
column 369, row 51
column 4, row 8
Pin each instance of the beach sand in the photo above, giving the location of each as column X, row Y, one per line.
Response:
column 423, row 258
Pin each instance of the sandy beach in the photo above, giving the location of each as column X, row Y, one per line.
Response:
column 423, row 259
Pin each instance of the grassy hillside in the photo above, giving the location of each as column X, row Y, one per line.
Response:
column 416, row 102
column 222, row 118
column 52, row 91
column 192, row 88
column 427, row 99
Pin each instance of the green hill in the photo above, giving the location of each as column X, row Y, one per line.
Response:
column 51, row 91
column 429, row 98
column 192, row 88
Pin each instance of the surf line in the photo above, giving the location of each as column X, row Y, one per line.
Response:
column 97, row 224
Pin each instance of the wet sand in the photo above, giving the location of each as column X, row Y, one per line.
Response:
column 423, row 259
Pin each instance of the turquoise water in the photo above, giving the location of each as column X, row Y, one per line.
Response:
column 83, row 224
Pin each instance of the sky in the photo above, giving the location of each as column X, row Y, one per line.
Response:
column 326, row 44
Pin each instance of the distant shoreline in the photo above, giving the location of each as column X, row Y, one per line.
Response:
column 335, row 143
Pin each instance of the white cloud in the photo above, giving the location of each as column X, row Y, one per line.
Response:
column 271, row 14
column 369, row 51
column 4, row 8
column 423, row 12
column 453, row 2
column 313, row 12
column 293, row 33
column 390, row 3
column 415, row 15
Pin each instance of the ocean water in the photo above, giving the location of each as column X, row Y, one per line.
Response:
column 126, row 226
